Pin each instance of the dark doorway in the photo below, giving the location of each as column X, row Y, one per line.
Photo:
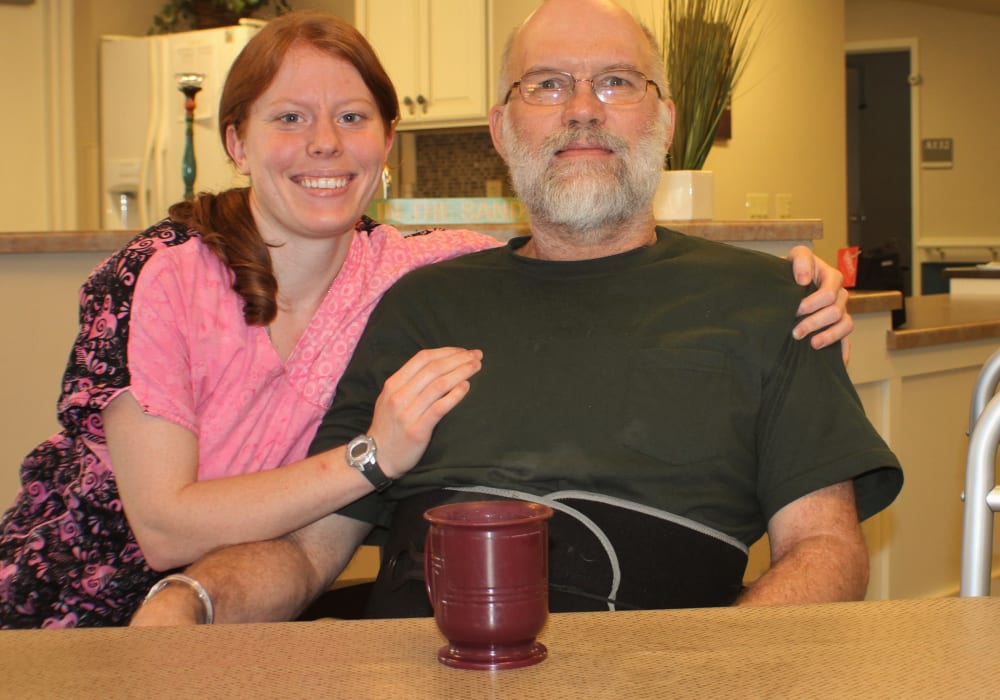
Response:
column 879, row 168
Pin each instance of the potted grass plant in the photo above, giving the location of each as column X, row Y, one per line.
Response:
column 705, row 46
column 180, row 15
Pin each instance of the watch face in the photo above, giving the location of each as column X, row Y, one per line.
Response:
column 358, row 450
column 360, row 454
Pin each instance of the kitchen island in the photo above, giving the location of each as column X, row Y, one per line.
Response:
column 916, row 384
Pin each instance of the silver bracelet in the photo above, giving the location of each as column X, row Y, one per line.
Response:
column 194, row 585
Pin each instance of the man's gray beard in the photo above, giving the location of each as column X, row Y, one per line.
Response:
column 587, row 195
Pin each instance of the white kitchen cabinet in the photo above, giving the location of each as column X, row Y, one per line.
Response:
column 436, row 54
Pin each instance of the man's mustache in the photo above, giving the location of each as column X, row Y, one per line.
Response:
column 591, row 136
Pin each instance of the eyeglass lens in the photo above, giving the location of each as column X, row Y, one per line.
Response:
column 555, row 87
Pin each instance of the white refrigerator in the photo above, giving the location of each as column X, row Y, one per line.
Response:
column 142, row 118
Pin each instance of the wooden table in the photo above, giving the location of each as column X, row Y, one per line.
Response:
column 947, row 647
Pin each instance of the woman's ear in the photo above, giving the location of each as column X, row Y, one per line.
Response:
column 236, row 150
column 390, row 139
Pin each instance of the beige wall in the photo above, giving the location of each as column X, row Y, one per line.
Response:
column 25, row 201
column 789, row 128
column 959, row 97
column 40, row 317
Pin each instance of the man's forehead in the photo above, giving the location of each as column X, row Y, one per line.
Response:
column 578, row 54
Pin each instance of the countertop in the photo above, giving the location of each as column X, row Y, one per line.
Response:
column 64, row 241
column 865, row 302
column 990, row 272
column 110, row 241
column 934, row 319
column 938, row 319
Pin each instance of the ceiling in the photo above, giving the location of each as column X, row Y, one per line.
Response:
column 991, row 7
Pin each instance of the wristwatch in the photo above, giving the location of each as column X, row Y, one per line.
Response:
column 361, row 455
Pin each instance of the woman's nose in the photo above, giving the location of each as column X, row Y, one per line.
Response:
column 325, row 140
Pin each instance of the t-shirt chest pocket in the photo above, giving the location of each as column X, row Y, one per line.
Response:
column 683, row 405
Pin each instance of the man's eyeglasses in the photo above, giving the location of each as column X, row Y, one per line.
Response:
column 613, row 87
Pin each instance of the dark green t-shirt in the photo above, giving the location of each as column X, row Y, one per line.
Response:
column 665, row 376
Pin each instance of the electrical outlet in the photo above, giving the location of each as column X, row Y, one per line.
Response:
column 783, row 205
column 758, row 205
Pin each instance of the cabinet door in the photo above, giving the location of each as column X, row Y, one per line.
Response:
column 435, row 53
column 456, row 60
column 393, row 28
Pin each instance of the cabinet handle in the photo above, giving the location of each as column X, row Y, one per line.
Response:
column 408, row 102
column 422, row 101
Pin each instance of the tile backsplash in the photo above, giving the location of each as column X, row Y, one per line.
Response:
column 457, row 164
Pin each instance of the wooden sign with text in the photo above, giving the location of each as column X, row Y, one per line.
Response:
column 448, row 210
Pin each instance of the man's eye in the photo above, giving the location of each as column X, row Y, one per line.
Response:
column 550, row 84
column 614, row 81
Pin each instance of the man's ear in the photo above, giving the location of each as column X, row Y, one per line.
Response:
column 672, row 110
column 236, row 150
column 496, row 131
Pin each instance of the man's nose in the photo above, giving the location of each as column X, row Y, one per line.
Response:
column 583, row 107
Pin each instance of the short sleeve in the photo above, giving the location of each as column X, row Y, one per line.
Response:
column 814, row 433
column 159, row 357
column 99, row 367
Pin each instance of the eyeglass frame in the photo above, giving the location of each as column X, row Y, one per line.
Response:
column 649, row 81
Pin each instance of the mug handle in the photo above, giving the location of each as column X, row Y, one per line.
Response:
column 427, row 567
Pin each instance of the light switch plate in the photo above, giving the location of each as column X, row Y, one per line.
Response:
column 783, row 205
column 758, row 205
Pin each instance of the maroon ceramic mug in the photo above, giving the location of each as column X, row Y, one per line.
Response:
column 487, row 569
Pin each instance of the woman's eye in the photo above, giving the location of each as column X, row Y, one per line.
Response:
column 289, row 118
column 352, row 118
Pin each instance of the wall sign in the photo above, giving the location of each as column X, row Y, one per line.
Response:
column 936, row 153
column 449, row 210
